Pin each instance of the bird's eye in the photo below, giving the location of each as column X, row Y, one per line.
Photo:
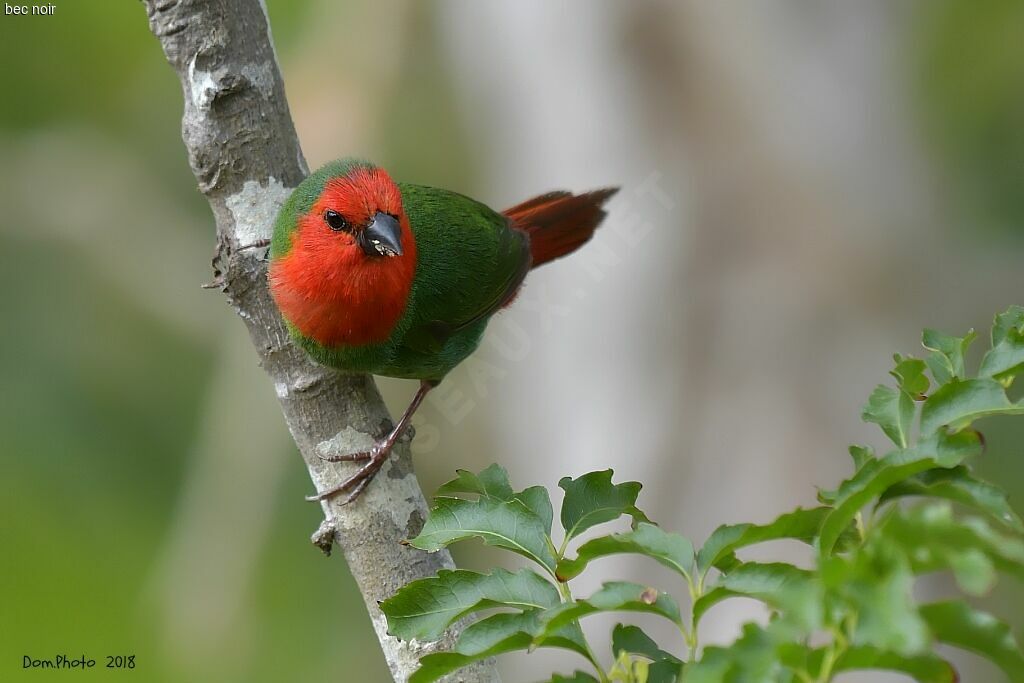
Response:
column 335, row 220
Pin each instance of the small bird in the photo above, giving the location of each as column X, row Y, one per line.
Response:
column 394, row 279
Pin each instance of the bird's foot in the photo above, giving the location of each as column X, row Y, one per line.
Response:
column 219, row 281
column 347, row 457
column 257, row 244
column 375, row 457
column 358, row 482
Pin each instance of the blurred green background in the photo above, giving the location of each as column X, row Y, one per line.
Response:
column 831, row 177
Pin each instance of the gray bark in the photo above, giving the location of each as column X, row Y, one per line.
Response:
column 245, row 155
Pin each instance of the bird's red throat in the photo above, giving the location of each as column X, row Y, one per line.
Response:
column 326, row 286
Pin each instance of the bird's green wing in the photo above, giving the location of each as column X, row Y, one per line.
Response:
column 470, row 263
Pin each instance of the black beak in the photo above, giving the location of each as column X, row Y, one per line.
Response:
column 382, row 237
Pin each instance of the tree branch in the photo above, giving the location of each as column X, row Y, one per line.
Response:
column 245, row 155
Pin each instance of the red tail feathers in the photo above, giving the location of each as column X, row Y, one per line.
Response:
column 560, row 222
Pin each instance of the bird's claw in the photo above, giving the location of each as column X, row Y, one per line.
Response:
column 358, row 482
column 357, row 490
column 361, row 456
column 218, row 282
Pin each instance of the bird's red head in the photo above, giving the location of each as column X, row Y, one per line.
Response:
column 346, row 278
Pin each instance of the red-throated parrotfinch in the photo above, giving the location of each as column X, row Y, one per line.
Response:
column 394, row 279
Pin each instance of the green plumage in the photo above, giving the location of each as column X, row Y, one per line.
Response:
column 470, row 261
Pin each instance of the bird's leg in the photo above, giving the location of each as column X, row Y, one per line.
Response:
column 376, row 456
column 346, row 457
column 258, row 244
column 218, row 277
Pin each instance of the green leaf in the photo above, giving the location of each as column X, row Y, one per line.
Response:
column 779, row 585
column 856, row 492
column 492, row 482
column 1010, row 320
column 492, row 636
column 438, row 665
column 950, row 450
column 593, row 499
column 718, row 551
column 945, row 450
column 614, row 596
column 947, row 358
column 536, row 498
column 973, row 570
column 510, row 525
column 482, row 635
column 576, row 677
column 1005, row 360
column 880, row 589
column 663, row 672
column 959, row 403
column 665, row 667
column 861, row 455
column 627, row 669
column 892, row 410
column 671, row 550
column 934, row 539
column 957, row 623
column 633, row 640
column 826, row 496
column 424, row 608
column 909, row 374
column 924, row 668
column 753, row 658
column 957, row 484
